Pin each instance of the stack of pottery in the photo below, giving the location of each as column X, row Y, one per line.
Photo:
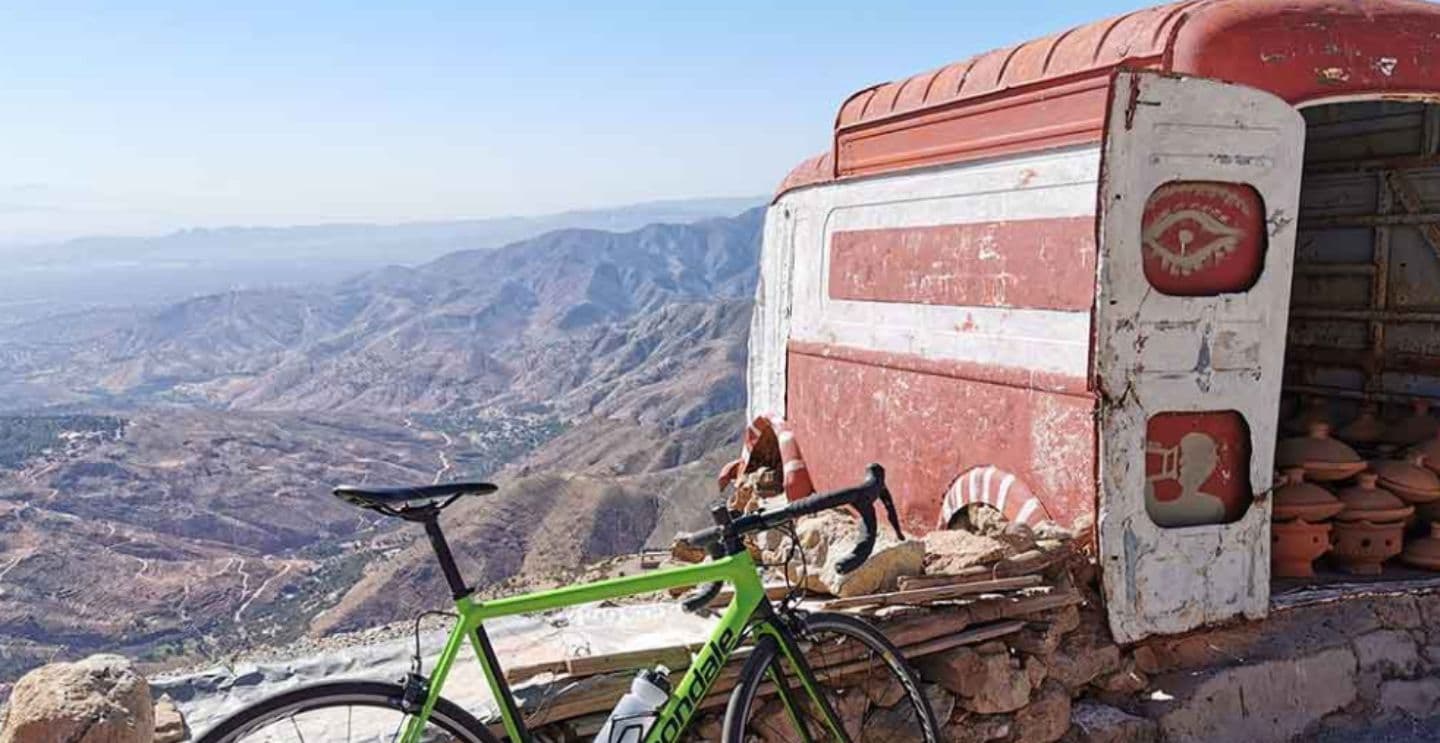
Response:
column 1415, row 481
column 1430, row 449
column 1323, row 458
column 1366, row 429
column 1409, row 478
column 1428, row 454
column 1424, row 552
column 1301, row 530
column 1417, row 427
column 1371, row 528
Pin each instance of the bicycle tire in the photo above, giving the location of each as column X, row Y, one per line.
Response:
column 448, row 717
column 742, row 723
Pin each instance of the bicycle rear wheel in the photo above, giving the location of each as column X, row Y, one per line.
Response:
column 862, row 676
column 342, row 712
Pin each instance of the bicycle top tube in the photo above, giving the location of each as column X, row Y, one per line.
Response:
column 738, row 570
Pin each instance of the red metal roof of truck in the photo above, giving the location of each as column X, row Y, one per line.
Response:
column 1052, row 92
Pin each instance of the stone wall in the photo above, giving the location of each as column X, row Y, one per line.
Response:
column 1339, row 659
column 1328, row 661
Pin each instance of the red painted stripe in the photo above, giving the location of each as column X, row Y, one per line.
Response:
column 926, row 429
column 1007, row 376
column 1025, row 263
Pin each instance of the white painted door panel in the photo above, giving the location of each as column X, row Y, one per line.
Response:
column 1161, row 353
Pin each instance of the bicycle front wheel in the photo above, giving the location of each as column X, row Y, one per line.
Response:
column 871, row 692
column 343, row 712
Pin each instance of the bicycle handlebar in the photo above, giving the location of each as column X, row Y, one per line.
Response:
column 725, row 537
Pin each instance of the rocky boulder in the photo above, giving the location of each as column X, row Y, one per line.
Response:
column 988, row 680
column 950, row 551
column 1047, row 718
column 825, row 540
column 100, row 699
column 170, row 725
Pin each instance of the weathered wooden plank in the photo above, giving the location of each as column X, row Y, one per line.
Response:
column 937, row 593
column 570, row 699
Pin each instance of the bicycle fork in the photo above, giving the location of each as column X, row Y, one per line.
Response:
column 773, row 632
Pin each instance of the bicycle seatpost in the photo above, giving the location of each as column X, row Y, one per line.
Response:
column 458, row 589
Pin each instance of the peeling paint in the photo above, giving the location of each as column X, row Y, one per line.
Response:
column 1278, row 221
column 1188, row 353
column 919, row 337
column 1202, row 370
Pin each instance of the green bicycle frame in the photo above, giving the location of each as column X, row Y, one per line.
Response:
column 749, row 597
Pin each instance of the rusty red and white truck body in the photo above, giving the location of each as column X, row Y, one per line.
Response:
column 1057, row 278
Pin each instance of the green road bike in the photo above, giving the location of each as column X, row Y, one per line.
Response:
column 807, row 677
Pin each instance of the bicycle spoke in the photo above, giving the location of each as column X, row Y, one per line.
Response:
column 296, row 725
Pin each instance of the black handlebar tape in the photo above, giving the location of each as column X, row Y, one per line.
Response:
column 861, row 497
column 703, row 539
column 701, row 597
column 861, row 553
column 890, row 511
column 851, row 496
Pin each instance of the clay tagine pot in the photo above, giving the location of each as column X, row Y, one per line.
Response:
column 1324, row 459
column 1417, row 427
column 1424, row 552
column 1367, row 502
column 1294, row 545
column 1409, row 479
column 1296, row 499
column 1367, row 428
column 1430, row 449
column 1313, row 409
column 1361, row 547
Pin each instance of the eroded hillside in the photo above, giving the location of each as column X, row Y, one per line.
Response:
column 597, row 375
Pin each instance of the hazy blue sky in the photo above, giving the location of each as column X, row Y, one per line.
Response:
column 160, row 116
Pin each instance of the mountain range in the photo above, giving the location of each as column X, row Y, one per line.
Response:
column 114, row 272
column 167, row 490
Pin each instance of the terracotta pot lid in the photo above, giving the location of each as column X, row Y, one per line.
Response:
column 1367, row 428
column 1424, row 552
column 1430, row 449
column 1408, row 479
column 1417, row 427
column 1297, row 499
column 1366, row 502
column 1323, row 457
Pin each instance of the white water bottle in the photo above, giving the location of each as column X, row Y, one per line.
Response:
column 636, row 712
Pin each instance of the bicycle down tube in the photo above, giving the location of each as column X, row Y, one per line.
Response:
column 737, row 570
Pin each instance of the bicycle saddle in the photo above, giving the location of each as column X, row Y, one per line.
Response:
column 368, row 497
